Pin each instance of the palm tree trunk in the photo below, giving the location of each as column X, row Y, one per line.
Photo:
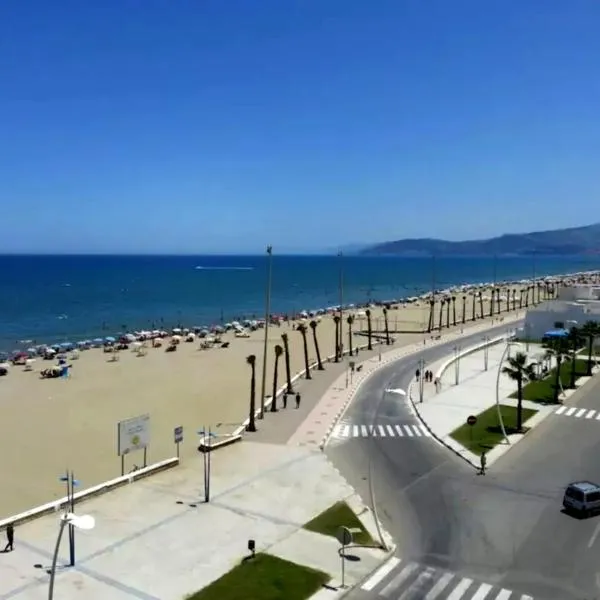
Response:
column 492, row 303
column 448, row 312
column 274, row 397
column 454, row 311
column 573, row 363
column 441, row 314
column 369, row 333
column 317, row 351
column 520, row 404
column 431, row 316
column 481, row 305
column 251, row 417
column 305, row 344
column 387, row 330
column 557, row 378
column 350, row 339
column 590, row 350
column 474, row 316
column 464, row 315
column 288, row 371
column 337, row 342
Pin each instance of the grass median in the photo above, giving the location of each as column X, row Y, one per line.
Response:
column 336, row 516
column 487, row 433
column 264, row 577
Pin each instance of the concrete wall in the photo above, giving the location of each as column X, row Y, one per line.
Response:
column 558, row 314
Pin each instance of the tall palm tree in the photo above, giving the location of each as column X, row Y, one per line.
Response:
column 519, row 370
column 492, row 302
column 302, row 330
column 288, row 371
column 514, row 299
column 474, row 315
column 350, row 320
column 431, row 325
column 313, row 326
column 442, row 304
column 590, row 330
column 507, row 299
column 447, row 312
column 336, row 320
column 387, row 327
column 557, row 348
column 481, row 303
column 278, row 353
column 369, row 330
column 464, row 311
column 251, row 360
column 520, row 298
column 574, row 341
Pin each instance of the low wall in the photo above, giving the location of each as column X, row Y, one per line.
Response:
column 101, row 488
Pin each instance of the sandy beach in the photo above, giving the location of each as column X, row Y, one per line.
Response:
column 50, row 425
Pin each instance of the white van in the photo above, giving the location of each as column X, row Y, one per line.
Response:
column 582, row 497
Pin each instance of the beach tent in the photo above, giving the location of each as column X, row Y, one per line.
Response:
column 556, row 333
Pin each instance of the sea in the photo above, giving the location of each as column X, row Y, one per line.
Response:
column 53, row 299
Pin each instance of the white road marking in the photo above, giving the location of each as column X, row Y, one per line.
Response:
column 400, row 578
column 504, row 594
column 440, row 586
column 561, row 410
column 408, row 431
column 381, row 574
column 571, row 411
column 590, row 414
column 345, row 430
column 417, row 430
column 364, row 431
column 426, row 431
column 580, row 412
column 355, row 430
column 424, row 576
column 381, row 430
column 390, row 430
column 459, row 591
column 594, row 536
column 482, row 592
column 399, row 430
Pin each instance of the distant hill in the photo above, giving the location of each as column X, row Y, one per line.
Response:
column 576, row 240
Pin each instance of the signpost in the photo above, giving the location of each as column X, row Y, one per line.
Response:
column 207, row 436
column 344, row 536
column 471, row 421
column 178, row 437
column 133, row 434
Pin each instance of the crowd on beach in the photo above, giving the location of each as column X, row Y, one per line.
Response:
column 212, row 336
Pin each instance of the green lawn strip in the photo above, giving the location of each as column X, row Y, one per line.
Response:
column 336, row 516
column 542, row 390
column 264, row 577
column 486, row 433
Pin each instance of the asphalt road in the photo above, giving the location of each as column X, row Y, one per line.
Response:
column 499, row 536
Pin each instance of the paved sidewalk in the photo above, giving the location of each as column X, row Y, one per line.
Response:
column 157, row 540
column 444, row 411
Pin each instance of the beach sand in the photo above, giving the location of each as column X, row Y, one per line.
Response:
column 50, row 425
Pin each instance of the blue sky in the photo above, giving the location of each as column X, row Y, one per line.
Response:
column 223, row 125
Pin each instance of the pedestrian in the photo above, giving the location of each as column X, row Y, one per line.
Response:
column 10, row 538
column 285, row 400
column 417, row 374
column 297, row 399
column 483, row 460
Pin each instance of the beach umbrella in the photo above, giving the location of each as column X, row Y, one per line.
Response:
column 66, row 345
column 110, row 339
column 31, row 351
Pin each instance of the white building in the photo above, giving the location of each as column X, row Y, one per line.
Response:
column 573, row 307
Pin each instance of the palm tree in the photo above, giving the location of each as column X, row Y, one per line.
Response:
column 514, row 299
column 350, row 320
column 336, row 320
column 278, row 353
column 492, row 302
column 313, row 325
column 474, row 315
column 591, row 331
column 447, row 312
column 558, row 349
column 387, row 327
column 464, row 316
column 507, row 300
column 302, row 330
column 520, row 298
column 481, row 303
column 519, row 370
column 369, row 330
column 288, row 372
column 431, row 315
column 251, row 360
column 442, row 303
column 573, row 339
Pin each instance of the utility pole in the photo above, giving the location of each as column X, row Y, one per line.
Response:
column 341, row 292
column 267, row 319
column 421, row 380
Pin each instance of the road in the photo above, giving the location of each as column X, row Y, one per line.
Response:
column 464, row 536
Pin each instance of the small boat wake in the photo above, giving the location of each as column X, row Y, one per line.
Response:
column 201, row 268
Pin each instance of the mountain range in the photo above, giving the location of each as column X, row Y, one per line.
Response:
column 571, row 241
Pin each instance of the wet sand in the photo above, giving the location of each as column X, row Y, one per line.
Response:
column 49, row 425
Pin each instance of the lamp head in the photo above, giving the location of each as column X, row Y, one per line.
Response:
column 80, row 521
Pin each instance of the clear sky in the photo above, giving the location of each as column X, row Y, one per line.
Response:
column 223, row 125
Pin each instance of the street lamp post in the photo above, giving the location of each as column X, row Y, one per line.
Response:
column 502, row 358
column 86, row 522
column 486, row 353
column 456, row 364
column 266, row 341
column 421, row 380
column 69, row 480
column 207, row 434
column 341, row 293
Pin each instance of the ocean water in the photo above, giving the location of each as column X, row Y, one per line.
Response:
column 67, row 298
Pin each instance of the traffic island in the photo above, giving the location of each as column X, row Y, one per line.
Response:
column 330, row 521
column 483, row 432
column 264, row 577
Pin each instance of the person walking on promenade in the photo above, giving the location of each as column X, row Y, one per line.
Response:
column 10, row 538
column 483, row 460
column 298, row 399
column 284, row 399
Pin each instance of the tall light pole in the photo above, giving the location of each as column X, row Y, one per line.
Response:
column 486, row 339
column 456, row 364
column 502, row 358
column 69, row 480
column 421, row 380
column 263, row 381
column 68, row 518
column 341, row 292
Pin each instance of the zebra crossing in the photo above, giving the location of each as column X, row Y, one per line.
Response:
column 404, row 430
column 405, row 580
column 578, row 413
